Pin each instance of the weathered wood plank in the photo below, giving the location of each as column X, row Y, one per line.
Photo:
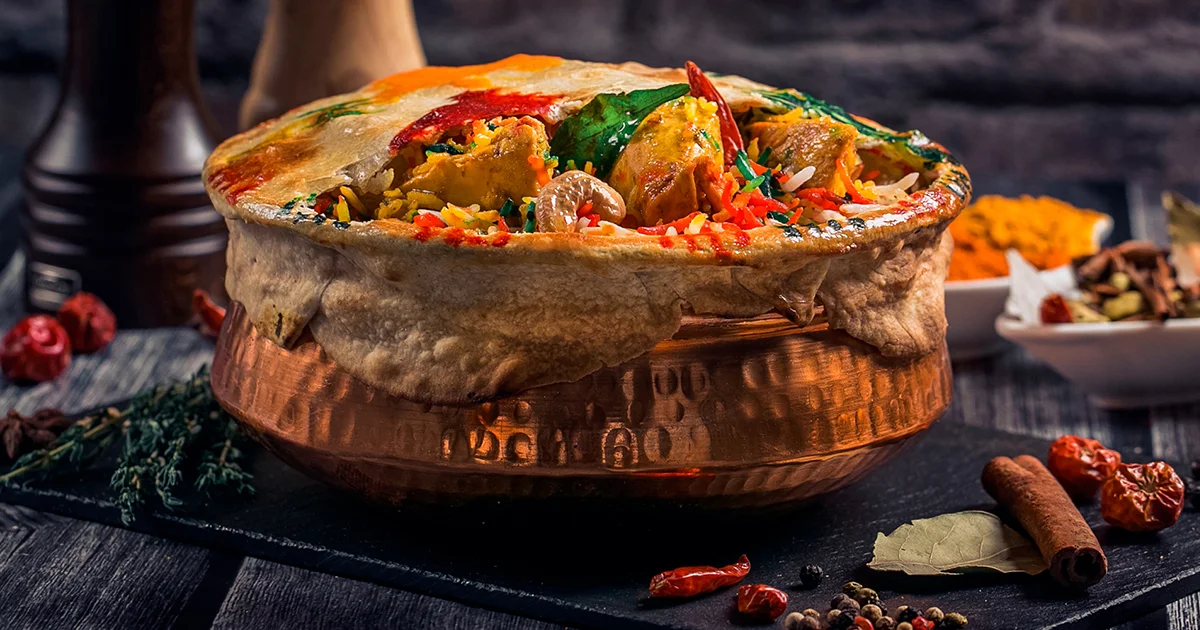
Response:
column 61, row 573
column 267, row 595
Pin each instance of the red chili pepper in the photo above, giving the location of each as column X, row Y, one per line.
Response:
column 428, row 220
column 679, row 224
column 211, row 315
column 594, row 219
column 36, row 349
column 584, row 209
column 745, row 219
column 855, row 196
column 823, row 197
column 759, row 200
column 731, row 138
column 1054, row 310
column 862, row 623
column 692, row 581
column 761, row 602
column 88, row 321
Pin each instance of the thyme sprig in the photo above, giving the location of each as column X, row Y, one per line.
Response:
column 161, row 431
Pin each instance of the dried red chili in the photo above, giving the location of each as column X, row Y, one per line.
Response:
column 36, row 349
column 692, row 581
column 761, row 602
column 1142, row 497
column 1081, row 465
column 89, row 323
column 1054, row 310
column 211, row 315
column 731, row 138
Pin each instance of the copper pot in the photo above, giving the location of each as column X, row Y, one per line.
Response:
column 726, row 413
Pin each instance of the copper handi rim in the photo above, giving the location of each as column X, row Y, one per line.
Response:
column 727, row 413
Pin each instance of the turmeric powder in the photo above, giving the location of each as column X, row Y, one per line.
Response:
column 1048, row 232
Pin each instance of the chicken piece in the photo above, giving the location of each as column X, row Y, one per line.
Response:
column 491, row 172
column 799, row 142
column 673, row 156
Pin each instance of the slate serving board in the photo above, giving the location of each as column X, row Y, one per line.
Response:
column 588, row 565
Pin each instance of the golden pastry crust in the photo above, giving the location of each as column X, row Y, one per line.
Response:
column 447, row 316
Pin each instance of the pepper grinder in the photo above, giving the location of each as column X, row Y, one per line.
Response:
column 311, row 49
column 114, row 200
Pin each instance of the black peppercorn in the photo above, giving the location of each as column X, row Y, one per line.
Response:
column 811, row 612
column 934, row 614
column 832, row 616
column 953, row 621
column 810, row 576
column 797, row 621
column 865, row 596
column 904, row 625
column 844, row 620
column 907, row 613
column 850, row 588
column 843, row 601
column 885, row 623
column 1196, row 470
column 871, row 613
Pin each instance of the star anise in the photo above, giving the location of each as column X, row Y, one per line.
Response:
column 21, row 434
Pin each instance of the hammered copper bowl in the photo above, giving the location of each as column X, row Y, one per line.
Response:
column 727, row 413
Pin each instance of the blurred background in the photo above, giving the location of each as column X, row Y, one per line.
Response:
column 1045, row 89
column 1097, row 91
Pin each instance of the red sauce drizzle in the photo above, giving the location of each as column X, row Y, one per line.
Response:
column 718, row 247
column 741, row 239
column 667, row 242
column 454, row 237
column 423, row 234
column 690, row 241
column 473, row 105
column 500, row 239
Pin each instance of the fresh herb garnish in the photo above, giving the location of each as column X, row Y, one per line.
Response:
column 754, row 183
column 856, row 223
column 778, row 216
column 507, row 209
column 530, row 218
column 763, row 156
column 442, row 147
column 600, row 131
column 790, row 231
column 160, row 431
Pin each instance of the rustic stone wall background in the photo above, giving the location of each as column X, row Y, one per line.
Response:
column 1061, row 89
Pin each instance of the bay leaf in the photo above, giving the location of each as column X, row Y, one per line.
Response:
column 956, row 543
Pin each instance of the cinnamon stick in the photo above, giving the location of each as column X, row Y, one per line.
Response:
column 1039, row 503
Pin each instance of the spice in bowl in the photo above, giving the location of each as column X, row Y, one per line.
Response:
column 1047, row 232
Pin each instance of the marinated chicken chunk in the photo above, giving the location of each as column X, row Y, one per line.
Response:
column 671, row 158
column 494, row 170
column 797, row 142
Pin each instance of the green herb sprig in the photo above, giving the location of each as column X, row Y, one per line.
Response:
column 161, row 431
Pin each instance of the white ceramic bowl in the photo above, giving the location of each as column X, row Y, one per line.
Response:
column 972, row 307
column 971, row 310
column 1119, row 364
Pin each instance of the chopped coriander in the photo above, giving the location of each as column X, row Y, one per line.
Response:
column 754, row 183
column 743, row 165
column 790, row 231
column 530, row 217
column 508, row 207
column 341, row 225
column 857, row 223
column 442, row 147
column 764, row 156
column 834, row 225
column 778, row 216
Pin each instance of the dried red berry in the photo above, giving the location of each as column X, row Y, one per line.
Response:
column 36, row 349
column 89, row 323
column 1081, row 465
column 1054, row 310
column 921, row 623
column 1142, row 497
column 761, row 602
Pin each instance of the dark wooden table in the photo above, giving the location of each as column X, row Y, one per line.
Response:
column 58, row 572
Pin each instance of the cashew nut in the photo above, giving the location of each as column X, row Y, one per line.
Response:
column 560, row 199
